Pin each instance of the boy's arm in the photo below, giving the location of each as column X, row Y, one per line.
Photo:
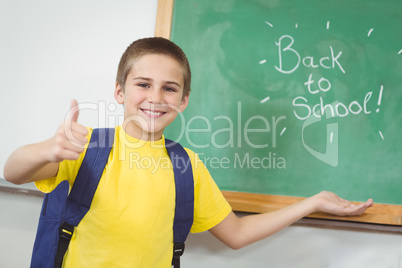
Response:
column 28, row 164
column 239, row 232
column 40, row 161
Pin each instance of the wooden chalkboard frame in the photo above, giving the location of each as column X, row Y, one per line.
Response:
column 261, row 203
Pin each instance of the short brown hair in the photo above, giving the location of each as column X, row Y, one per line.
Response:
column 153, row 45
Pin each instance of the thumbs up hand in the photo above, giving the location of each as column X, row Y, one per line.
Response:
column 74, row 111
column 70, row 139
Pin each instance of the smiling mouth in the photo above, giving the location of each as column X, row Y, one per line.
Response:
column 152, row 113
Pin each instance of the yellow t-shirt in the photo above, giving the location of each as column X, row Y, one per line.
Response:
column 131, row 217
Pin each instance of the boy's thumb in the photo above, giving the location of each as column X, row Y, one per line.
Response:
column 74, row 111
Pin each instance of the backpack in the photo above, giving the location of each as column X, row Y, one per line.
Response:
column 62, row 212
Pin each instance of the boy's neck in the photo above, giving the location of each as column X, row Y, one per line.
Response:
column 141, row 134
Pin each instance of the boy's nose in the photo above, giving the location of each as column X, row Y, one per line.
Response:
column 155, row 96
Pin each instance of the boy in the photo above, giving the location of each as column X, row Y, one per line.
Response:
column 131, row 216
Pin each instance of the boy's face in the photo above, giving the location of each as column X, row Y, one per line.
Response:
column 152, row 97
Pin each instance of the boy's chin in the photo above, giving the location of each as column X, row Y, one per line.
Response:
column 153, row 134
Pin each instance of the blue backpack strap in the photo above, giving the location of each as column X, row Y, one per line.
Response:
column 184, row 211
column 86, row 182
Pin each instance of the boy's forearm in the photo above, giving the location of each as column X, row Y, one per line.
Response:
column 240, row 232
column 27, row 162
column 260, row 226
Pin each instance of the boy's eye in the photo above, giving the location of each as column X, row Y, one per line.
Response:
column 143, row 85
column 169, row 89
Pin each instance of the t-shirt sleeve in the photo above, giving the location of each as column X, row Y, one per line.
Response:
column 210, row 206
column 68, row 170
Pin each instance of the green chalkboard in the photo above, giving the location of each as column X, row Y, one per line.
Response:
column 294, row 97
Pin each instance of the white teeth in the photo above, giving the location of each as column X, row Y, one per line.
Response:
column 152, row 113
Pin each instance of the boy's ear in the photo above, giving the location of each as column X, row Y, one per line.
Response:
column 119, row 94
column 184, row 103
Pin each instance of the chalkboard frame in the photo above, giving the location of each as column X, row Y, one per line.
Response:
column 261, row 203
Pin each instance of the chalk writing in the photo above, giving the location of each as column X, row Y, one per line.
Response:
column 302, row 107
column 380, row 98
column 330, row 62
column 269, row 24
column 303, row 110
column 264, row 100
column 382, row 136
column 318, row 84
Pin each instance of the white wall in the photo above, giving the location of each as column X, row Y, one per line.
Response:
column 300, row 247
column 53, row 51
